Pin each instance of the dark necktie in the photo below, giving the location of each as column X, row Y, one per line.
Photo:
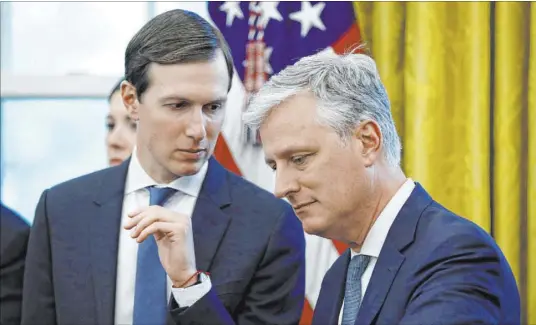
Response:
column 150, row 298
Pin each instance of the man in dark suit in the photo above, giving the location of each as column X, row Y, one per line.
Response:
column 14, row 232
column 327, row 131
column 169, row 236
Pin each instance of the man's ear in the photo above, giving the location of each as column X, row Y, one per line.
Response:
column 130, row 99
column 368, row 132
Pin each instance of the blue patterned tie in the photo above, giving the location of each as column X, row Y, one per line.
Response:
column 352, row 293
column 150, row 298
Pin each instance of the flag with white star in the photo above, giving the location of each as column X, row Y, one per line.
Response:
column 265, row 37
column 291, row 30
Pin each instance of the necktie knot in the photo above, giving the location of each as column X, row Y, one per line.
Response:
column 357, row 266
column 159, row 195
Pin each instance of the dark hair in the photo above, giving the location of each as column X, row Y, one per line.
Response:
column 176, row 36
column 115, row 89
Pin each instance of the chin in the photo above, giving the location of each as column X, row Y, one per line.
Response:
column 187, row 168
column 313, row 227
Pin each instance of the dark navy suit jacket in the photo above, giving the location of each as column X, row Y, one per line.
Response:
column 14, row 232
column 251, row 243
column 434, row 268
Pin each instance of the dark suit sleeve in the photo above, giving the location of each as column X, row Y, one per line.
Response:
column 276, row 294
column 460, row 284
column 14, row 243
column 38, row 305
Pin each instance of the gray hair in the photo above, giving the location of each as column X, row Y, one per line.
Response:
column 348, row 89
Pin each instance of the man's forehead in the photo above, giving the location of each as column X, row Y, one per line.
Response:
column 287, row 144
column 216, row 65
column 172, row 83
column 287, row 120
column 295, row 113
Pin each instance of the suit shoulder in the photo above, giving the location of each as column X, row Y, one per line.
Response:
column 11, row 220
column 444, row 236
column 247, row 193
column 438, row 226
column 80, row 185
column 14, row 232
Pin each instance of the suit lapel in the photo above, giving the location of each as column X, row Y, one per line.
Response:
column 209, row 222
column 384, row 273
column 329, row 302
column 400, row 236
column 105, row 220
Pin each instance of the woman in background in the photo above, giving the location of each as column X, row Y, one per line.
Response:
column 121, row 129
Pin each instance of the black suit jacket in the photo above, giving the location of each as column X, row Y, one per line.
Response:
column 251, row 243
column 14, row 234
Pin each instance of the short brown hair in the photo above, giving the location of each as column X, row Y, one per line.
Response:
column 176, row 36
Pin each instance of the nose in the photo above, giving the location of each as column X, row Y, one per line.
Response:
column 285, row 183
column 196, row 127
column 116, row 138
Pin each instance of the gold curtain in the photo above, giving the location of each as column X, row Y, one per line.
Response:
column 531, row 186
column 461, row 77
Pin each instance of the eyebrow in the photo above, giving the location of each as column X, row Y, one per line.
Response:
column 268, row 161
column 174, row 97
column 288, row 151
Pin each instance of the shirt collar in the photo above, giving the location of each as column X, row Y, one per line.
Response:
column 138, row 179
column 373, row 243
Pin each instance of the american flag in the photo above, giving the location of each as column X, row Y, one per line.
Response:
column 265, row 37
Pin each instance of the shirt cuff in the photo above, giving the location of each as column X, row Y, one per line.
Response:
column 185, row 297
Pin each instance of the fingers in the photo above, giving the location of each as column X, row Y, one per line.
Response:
column 145, row 218
column 134, row 217
column 132, row 222
column 137, row 215
column 158, row 229
column 141, row 222
column 137, row 211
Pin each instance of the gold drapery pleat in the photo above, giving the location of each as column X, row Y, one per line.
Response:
column 509, row 104
column 531, row 170
column 386, row 55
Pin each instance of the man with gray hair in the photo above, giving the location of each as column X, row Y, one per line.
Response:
column 329, row 135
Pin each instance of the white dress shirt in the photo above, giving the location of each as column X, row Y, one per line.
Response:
column 136, row 196
column 373, row 243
